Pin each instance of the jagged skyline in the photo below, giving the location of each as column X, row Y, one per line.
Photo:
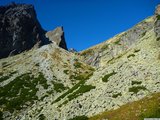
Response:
column 88, row 23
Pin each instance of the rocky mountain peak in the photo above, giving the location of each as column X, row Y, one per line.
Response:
column 157, row 11
column 57, row 36
column 19, row 29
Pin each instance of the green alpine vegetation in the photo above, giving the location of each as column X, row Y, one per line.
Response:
column 136, row 82
column 79, row 118
column 104, row 47
column 76, row 91
column 116, row 95
column 20, row 91
column 131, row 55
column 58, row 87
column 136, row 89
column 82, row 89
column 106, row 77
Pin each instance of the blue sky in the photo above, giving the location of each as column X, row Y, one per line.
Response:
column 89, row 22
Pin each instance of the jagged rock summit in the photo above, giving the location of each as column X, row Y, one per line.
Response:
column 20, row 30
column 57, row 37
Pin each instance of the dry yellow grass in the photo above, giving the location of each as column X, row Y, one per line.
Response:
column 56, row 55
column 148, row 107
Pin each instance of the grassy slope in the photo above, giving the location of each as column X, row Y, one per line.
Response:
column 148, row 107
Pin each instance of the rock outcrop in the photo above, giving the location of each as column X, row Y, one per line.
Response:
column 72, row 50
column 19, row 29
column 157, row 22
column 57, row 36
column 157, row 11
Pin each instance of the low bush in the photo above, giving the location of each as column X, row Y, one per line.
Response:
column 69, row 91
column 42, row 117
column 106, row 77
column 136, row 89
column 136, row 82
column 158, row 17
column 78, row 65
column 158, row 38
column 131, row 55
column 82, row 89
column 1, row 115
column 79, row 118
column 104, row 47
column 137, row 50
column 117, row 42
column 116, row 95
column 66, row 72
column 58, row 87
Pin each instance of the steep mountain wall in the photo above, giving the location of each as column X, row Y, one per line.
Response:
column 19, row 29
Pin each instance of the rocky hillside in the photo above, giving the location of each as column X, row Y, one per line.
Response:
column 100, row 54
column 117, row 79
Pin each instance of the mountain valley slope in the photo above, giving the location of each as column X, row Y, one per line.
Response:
column 50, row 83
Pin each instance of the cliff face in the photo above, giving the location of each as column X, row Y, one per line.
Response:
column 57, row 36
column 19, row 29
column 157, row 22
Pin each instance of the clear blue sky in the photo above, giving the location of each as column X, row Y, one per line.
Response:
column 89, row 22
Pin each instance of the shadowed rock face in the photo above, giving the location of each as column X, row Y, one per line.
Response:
column 19, row 29
column 57, row 36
